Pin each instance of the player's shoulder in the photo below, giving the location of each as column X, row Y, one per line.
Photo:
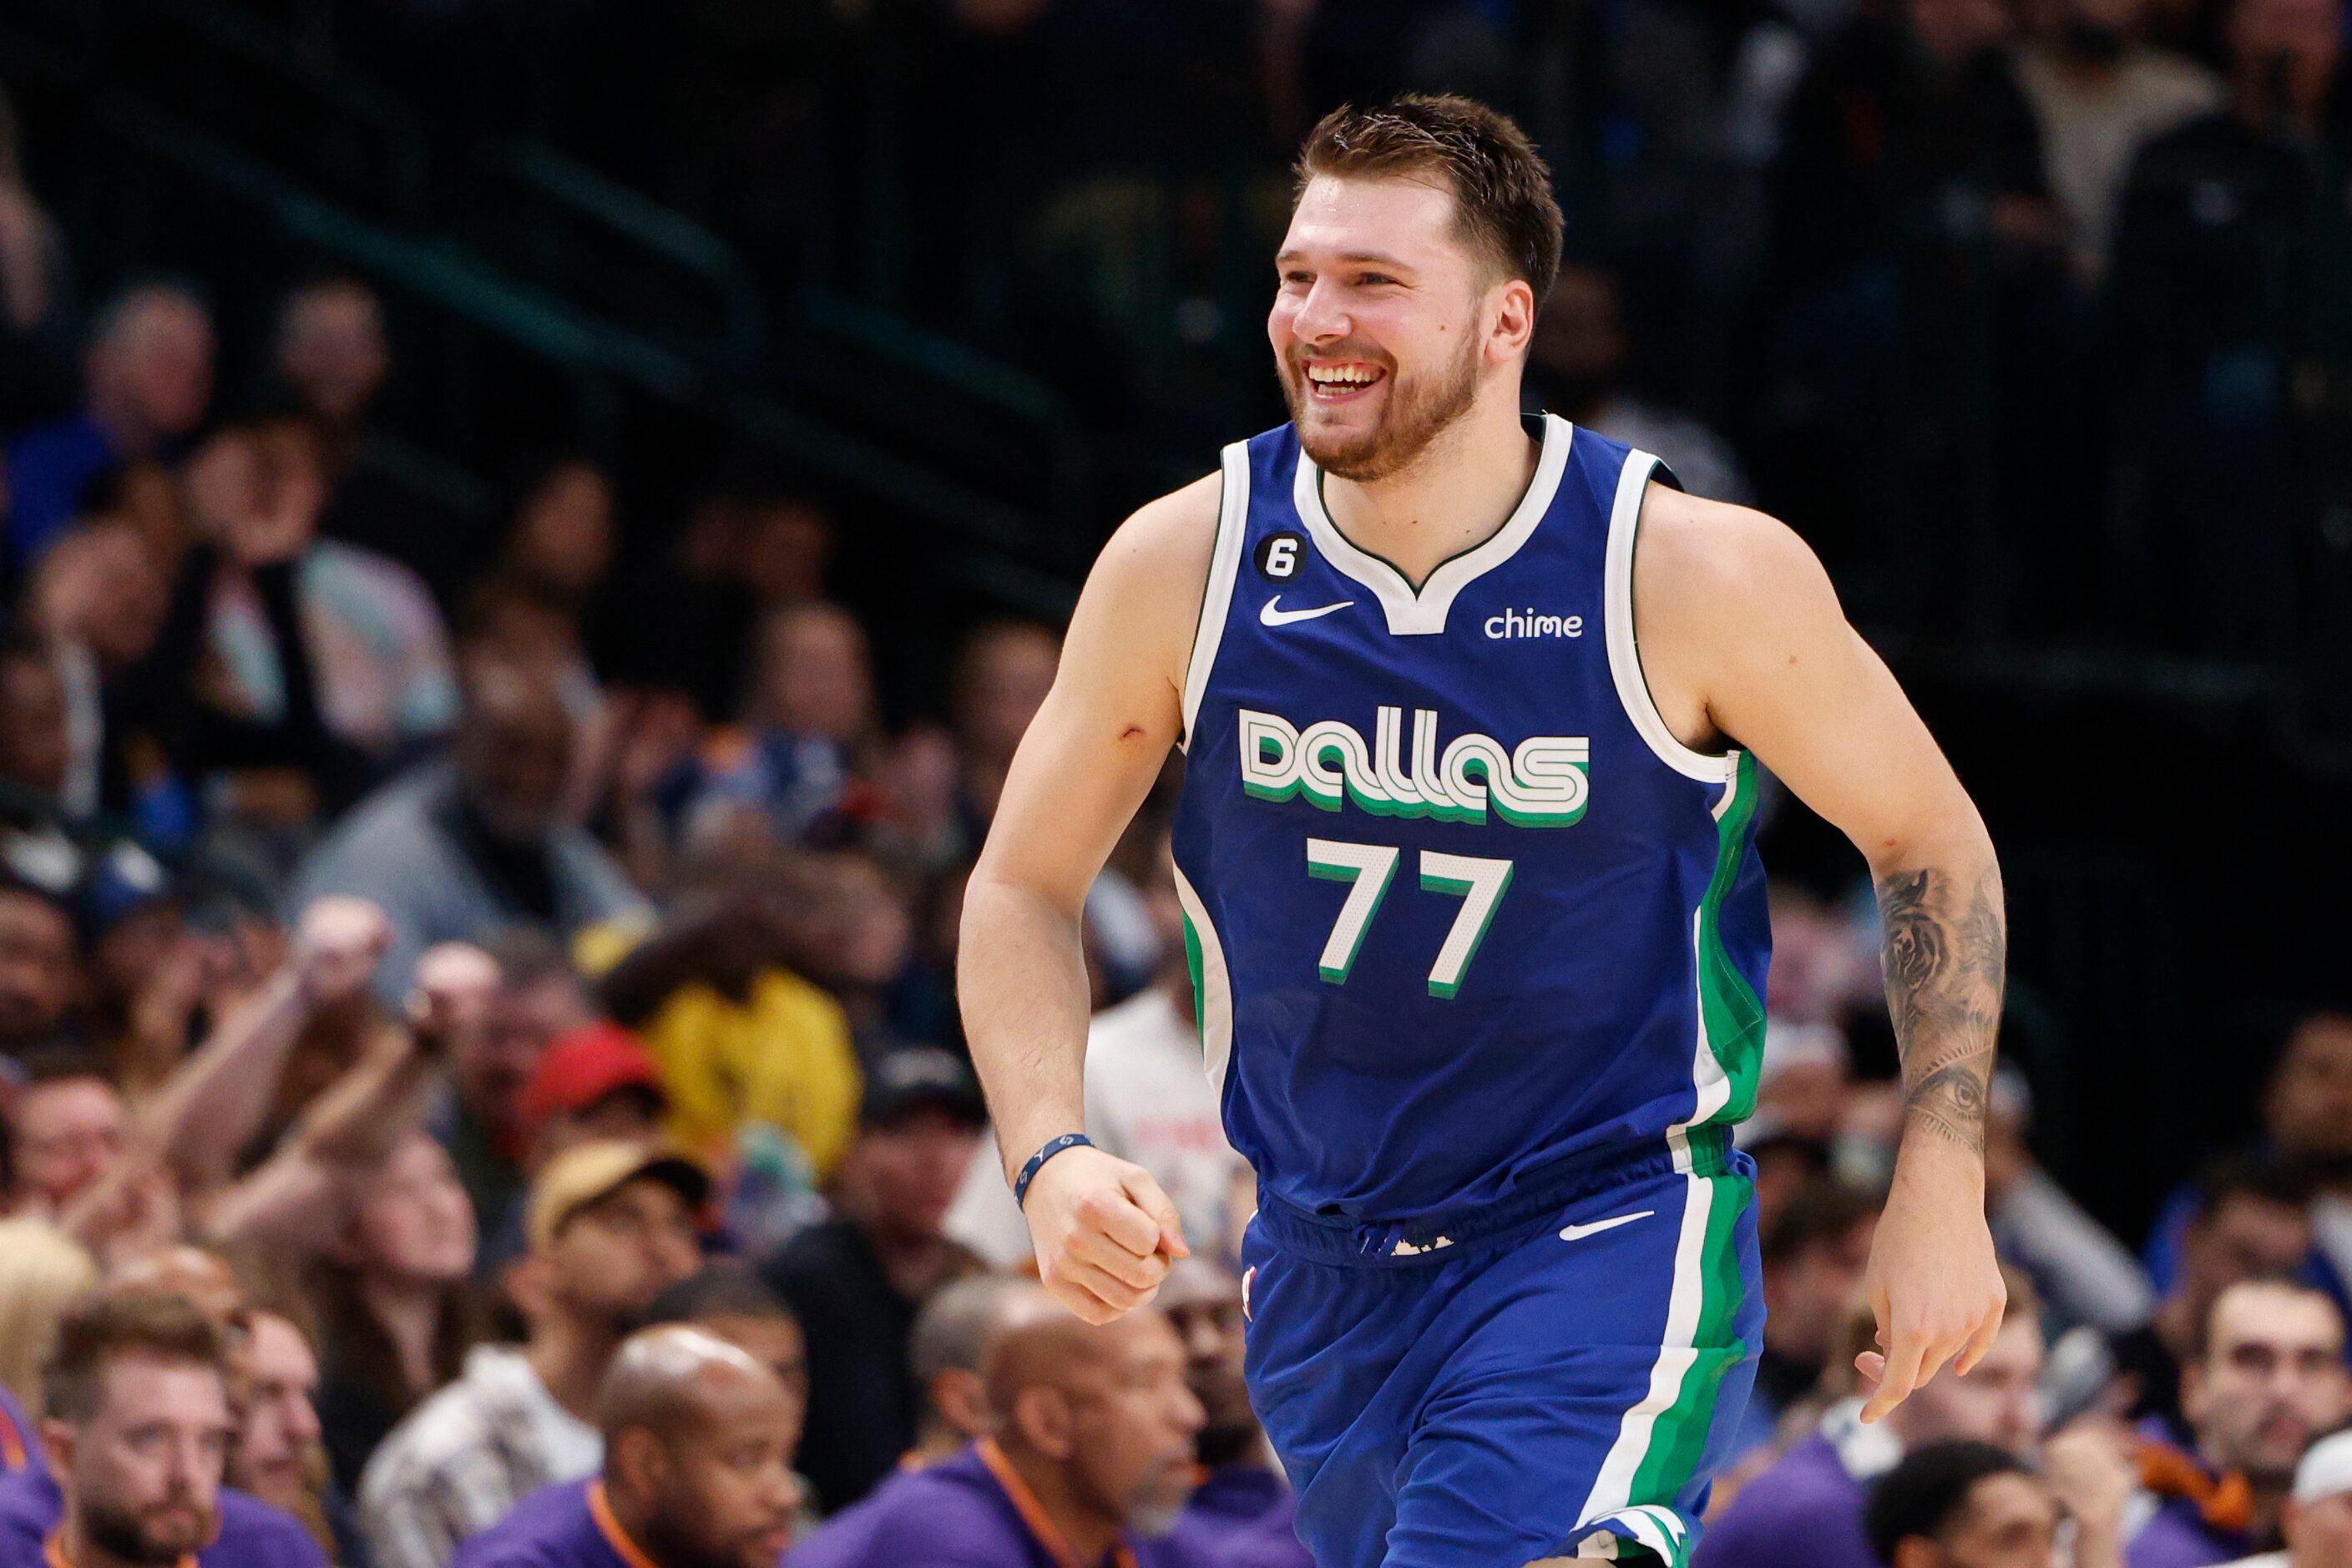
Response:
column 1172, row 532
column 1141, row 600
column 1708, row 560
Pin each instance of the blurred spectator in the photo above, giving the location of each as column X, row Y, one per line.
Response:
column 2249, row 1221
column 852, row 931
column 2099, row 94
column 2269, row 1377
column 35, row 289
column 2082, row 1274
column 137, row 1430
column 149, row 374
column 1089, row 1454
column 2317, row 1517
column 277, row 1456
column 331, row 356
column 727, row 1299
column 2306, row 1122
column 739, row 1037
column 1242, row 1513
column 66, row 1132
column 1002, row 675
column 460, row 851
column 1970, row 1505
column 1902, row 110
column 1577, row 368
column 808, row 717
column 41, row 973
column 2228, row 223
column 331, row 359
column 609, row 1227
column 1813, row 1260
column 593, row 1083
column 37, row 755
column 697, row 1472
column 741, row 555
column 1148, row 1100
column 42, row 1273
column 857, row 1282
column 566, row 537
column 479, row 1116
column 385, row 674
column 945, row 1352
column 1808, row 1508
column 395, row 1320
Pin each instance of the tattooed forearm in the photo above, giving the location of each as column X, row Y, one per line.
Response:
column 1945, row 959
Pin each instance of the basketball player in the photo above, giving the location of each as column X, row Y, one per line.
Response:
column 1474, row 710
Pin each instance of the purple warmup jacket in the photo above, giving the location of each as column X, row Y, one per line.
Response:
column 562, row 1526
column 20, row 1440
column 2176, row 1536
column 252, row 1534
column 1241, row 1517
column 966, row 1512
column 1806, row 1509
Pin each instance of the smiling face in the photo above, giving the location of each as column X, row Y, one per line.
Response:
column 1388, row 323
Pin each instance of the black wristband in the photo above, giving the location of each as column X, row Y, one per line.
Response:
column 1036, row 1162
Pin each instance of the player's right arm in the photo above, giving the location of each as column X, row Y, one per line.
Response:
column 1103, row 1229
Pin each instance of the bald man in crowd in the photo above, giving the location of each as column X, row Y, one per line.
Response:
column 945, row 1353
column 698, row 1439
column 1088, row 1462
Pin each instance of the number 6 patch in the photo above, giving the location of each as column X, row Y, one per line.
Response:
column 1280, row 556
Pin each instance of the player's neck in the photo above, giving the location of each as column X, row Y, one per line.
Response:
column 1455, row 494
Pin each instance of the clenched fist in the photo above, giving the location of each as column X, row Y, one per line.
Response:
column 1105, row 1233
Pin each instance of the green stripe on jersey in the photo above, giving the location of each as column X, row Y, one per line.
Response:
column 1728, row 1005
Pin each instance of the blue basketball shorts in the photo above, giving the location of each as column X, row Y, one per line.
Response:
column 1558, row 1375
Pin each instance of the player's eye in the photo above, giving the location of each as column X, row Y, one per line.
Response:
column 1375, row 279
column 1297, row 279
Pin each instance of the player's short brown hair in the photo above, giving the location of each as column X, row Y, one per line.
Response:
column 155, row 1323
column 1502, row 190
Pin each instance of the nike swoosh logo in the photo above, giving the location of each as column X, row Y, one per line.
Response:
column 1579, row 1232
column 1274, row 615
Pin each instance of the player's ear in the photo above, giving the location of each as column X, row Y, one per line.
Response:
column 1041, row 1417
column 1513, row 302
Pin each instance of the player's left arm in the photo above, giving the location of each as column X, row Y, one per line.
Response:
column 1744, row 642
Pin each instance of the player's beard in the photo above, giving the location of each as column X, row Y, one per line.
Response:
column 125, row 1535
column 1414, row 412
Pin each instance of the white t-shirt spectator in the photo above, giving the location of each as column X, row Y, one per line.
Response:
column 1148, row 1101
column 464, row 1457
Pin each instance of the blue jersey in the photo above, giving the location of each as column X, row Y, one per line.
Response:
column 1459, row 904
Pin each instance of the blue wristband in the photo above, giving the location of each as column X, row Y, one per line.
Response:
column 1036, row 1162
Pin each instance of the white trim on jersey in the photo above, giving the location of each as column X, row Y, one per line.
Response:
column 1625, row 654
column 1412, row 613
column 1216, row 996
column 1217, row 593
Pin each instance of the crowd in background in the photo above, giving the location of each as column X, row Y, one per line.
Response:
column 477, row 1040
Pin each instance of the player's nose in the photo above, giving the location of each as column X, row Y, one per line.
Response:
column 1321, row 316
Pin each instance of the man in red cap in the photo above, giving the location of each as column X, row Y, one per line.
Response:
column 594, row 1082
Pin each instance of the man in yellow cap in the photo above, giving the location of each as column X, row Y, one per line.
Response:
column 608, row 1227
